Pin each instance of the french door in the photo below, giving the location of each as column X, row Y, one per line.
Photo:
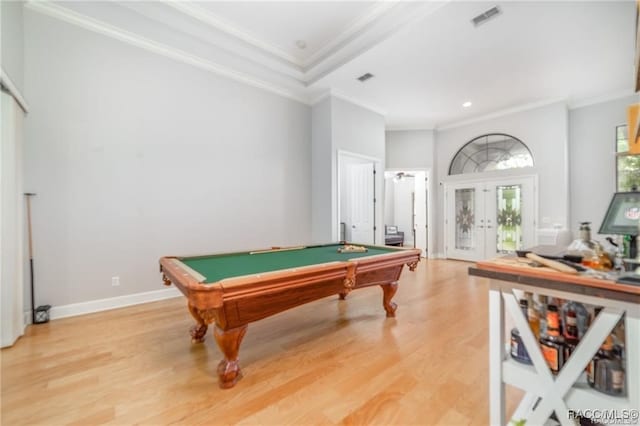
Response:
column 486, row 218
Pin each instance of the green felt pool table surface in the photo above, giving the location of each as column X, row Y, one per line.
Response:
column 217, row 267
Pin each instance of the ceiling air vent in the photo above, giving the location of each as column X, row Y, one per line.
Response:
column 365, row 77
column 484, row 17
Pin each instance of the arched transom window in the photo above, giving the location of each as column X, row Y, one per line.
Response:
column 495, row 151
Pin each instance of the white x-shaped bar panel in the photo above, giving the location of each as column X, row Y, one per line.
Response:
column 555, row 393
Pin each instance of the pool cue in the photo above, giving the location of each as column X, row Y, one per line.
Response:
column 277, row 249
column 33, row 304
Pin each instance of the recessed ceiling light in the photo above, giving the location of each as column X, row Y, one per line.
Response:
column 467, row 104
column 365, row 77
column 301, row 44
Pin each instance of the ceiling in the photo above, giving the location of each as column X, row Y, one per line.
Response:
column 427, row 57
column 315, row 23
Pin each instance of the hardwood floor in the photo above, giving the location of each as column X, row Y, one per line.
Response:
column 327, row 362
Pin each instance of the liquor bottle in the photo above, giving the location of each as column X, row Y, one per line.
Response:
column 534, row 320
column 606, row 373
column 542, row 313
column 571, row 337
column 582, row 316
column 552, row 343
column 591, row 366
column 518, row 351
column 532, row 314
column 593, row 256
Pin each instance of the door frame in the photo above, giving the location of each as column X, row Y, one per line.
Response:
column 430, row 206
column 483, row 180
column 378, row 196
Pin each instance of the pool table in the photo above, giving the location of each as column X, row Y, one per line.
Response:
column 234, row 289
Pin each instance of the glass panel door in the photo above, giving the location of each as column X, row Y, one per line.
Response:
column 465, row 221
column 508, row 218
column 488, row 219
column 510, row 215
column 464, row 208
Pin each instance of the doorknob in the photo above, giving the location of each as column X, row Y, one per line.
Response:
column 353, row 226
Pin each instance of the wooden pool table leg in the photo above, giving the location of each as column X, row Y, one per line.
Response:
column 343, row 295
column 388, row 291
column 229, row 343
column 198, row 331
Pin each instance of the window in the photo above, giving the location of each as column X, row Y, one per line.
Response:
column 627, row 165
column 495, row 151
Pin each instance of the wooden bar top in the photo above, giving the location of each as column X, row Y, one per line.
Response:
column 514, row 269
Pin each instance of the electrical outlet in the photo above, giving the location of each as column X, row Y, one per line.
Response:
column 115, row 281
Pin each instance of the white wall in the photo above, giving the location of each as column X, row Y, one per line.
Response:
column 134, row 156
column 545, row 131
column 322, row 176
column 360, row 131
column 408, row 149
column 339, row 125
column 11, row 46
column 592, row 146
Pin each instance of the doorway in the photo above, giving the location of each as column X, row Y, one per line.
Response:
column 356, row 198
column 486, row 218
column 407, row 207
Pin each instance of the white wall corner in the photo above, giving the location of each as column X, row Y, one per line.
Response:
column 338, row 95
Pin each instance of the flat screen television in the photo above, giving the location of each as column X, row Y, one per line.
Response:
column 622, row 215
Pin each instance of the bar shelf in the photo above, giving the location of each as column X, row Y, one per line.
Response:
column 546, row 393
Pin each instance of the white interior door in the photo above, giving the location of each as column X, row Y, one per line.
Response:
column 11, row 221
column 404, row 208
column 486, row 219
column 420, row 212
column 360, row 190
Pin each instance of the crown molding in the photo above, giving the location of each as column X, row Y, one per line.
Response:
column 336, row 94
column 357, row 25
column 13, row 90
column 376, row 24
column 178, row 23
column 612, row 96
column 399, row 18
column 97, row 26
column 501, row 113
column 426, row 126
column 219, row 24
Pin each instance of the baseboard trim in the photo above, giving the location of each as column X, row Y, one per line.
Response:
column 92, row 306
